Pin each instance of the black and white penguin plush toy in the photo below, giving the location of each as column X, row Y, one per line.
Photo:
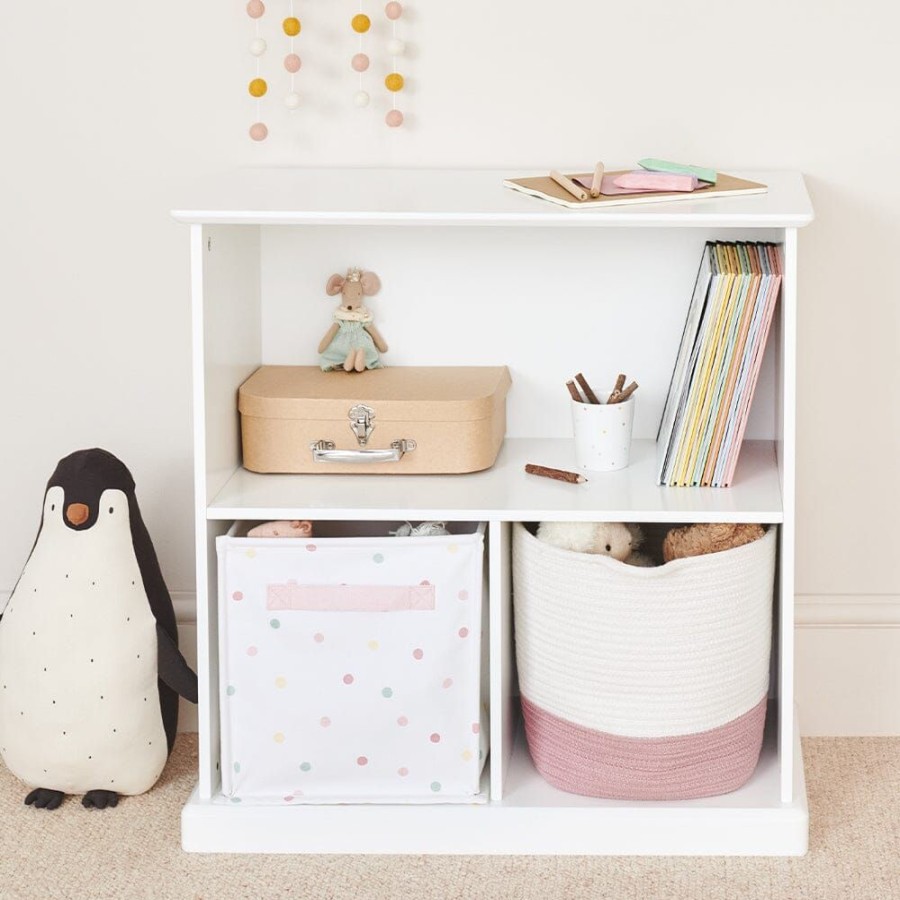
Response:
column 90, row 670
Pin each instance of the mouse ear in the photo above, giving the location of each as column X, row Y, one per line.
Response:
column 335, row 283
column 371, row 283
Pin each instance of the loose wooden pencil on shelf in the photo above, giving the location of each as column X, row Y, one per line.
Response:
column 555, row 474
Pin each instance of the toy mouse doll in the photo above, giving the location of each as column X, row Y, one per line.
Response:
column 353, row 342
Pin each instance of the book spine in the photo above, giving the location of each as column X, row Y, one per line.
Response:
column 746, row 316
column 751, row 386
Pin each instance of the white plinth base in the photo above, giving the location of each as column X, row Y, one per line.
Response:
column 533, row 818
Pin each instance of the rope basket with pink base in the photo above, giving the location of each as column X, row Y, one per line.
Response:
column 644, row 683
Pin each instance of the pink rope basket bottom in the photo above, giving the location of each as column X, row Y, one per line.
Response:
column 596, row 764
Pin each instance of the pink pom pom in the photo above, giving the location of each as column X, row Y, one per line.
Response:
column 292, row 62
column 258, row 131
column 394, row 118
column 393, row 10
column 360, row 62
column 255, row 9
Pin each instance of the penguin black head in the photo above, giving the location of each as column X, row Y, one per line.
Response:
column 94, row 488
column 83, row 477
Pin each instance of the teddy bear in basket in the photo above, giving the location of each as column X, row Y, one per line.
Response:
column 620, row 540
column 352, row 343
column 708, row 537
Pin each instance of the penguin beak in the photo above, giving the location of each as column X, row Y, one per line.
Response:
column 77, row 513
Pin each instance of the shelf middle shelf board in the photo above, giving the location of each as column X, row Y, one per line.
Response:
column 504, row 492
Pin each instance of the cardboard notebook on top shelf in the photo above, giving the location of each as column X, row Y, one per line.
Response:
column 545, row 188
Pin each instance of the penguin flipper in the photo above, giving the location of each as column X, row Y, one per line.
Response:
column 172, row 668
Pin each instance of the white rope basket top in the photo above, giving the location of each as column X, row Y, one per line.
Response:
column 643, row 652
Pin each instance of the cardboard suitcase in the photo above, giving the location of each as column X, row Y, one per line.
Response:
column 399, row 420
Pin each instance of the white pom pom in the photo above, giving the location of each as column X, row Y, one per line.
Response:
column 292, row 100
column 361, row 99
column 257, row 47
column 396, row 47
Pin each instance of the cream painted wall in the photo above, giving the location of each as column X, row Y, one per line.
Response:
column 109, row 107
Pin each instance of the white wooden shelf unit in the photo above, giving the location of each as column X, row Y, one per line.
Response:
column 474, row 274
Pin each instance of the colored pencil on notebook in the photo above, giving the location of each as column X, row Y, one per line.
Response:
column 579, row 193
column 597, row 180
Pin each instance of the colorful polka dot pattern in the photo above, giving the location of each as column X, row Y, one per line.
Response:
column 379, row 705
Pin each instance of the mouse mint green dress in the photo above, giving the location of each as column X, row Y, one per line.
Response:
column 352, row 335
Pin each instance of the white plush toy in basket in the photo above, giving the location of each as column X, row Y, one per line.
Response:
column 643, row 683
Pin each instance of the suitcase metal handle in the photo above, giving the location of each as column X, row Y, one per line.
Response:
column 324, row 451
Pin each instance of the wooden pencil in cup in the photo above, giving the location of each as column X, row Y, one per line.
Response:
column 622, row 396
column 588, row 393
column 573, row 392
column 555, row 474
column 579, row 193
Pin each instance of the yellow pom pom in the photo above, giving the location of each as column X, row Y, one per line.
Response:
column 291, row 26
column 258, row 87
column 394, row 82
column 360, row 23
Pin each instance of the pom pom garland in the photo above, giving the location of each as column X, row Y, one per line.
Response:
column 292, row 28
column 360, row 23
column 258, row 87
column 394, row 81
column 261, row 80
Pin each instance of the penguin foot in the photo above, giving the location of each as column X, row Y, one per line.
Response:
column 99, row 799
column 44, row 798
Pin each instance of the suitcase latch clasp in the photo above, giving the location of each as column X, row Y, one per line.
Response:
column 361, row 418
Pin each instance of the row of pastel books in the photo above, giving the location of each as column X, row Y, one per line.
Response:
column 718, row 363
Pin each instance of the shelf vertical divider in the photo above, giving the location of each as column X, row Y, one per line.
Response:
column 502, row 655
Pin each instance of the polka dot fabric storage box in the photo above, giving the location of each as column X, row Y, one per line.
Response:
column 643, row 683
column 351, row 666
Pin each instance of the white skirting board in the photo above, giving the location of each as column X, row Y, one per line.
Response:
column 187, row 643
column 848, row 662
column 848, row 679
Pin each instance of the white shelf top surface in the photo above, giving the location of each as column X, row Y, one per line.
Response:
column 506, row 492
column 303, row 196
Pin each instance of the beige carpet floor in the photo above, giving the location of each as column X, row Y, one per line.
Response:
column 134, row 851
